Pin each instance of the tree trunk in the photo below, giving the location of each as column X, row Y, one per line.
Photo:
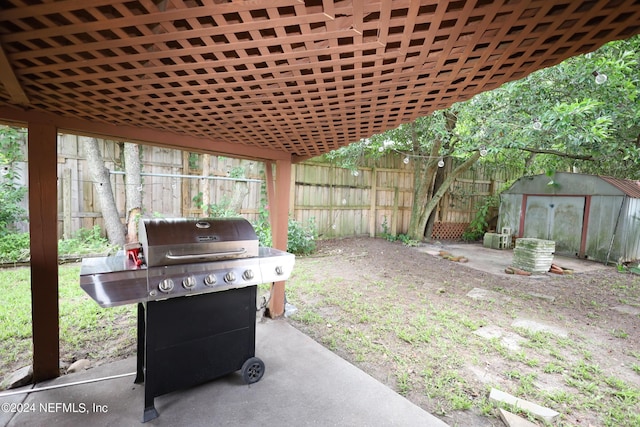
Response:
column 439, row 180
column 100, row 175
column 133, row 189
column 433, row 202
column 528, row 162
column 432, row 178
column 205, row 185
column 423, row 176
column 240, row 192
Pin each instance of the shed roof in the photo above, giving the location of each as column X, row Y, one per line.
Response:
column 627, row 186
column 298, row 77
column 574, row 184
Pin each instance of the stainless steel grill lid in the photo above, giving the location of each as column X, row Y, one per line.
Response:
column 184, row 240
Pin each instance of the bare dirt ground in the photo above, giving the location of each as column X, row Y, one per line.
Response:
column 406, row 317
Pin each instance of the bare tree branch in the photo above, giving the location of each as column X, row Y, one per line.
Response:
column 557, row 153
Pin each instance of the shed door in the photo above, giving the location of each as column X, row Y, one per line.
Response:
column 557, row 218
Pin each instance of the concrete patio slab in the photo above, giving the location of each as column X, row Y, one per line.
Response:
column 496, row 260
column 304, row 385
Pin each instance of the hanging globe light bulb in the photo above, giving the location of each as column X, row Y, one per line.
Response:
column 355, row 173
column 536, row 124
column 406, row 160
column 440, row 163
column 483, row 151
column 600, row 77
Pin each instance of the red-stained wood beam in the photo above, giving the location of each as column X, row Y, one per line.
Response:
column 43, row 218
column 278, row 194
column 143, row 135
column 10, row 82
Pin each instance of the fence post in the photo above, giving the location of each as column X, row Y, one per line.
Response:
column 292, row 192
column 66, row 203
column 185, row 184
column 394, row 216
column 373, row 197
column 332, row 170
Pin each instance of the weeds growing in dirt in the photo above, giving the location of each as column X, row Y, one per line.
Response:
column 421, row 333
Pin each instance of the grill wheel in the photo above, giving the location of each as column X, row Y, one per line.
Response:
column 252, row 370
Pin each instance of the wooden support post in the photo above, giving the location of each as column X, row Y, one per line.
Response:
column 372, row 209
column 278, row 192
column 43, row 218
column 66, row 203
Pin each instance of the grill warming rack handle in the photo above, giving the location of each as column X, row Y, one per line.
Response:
column 188, row 257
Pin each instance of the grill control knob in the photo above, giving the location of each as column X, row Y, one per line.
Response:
column 166, row 286
column 247, row 275
column 279, row 270
column 230, row 277
column 189, row 282
column 210, row 279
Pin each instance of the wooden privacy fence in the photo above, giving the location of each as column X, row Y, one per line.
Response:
column 345, row 203
column 378, row 199
column 374, row 199
column 172, row 182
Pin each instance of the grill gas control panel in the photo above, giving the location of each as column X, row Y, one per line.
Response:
column 196, row 278
column 178, row 280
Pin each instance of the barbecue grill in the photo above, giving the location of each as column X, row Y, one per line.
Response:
column 195, row 282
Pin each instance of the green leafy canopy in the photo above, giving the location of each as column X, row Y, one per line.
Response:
column 558, row 117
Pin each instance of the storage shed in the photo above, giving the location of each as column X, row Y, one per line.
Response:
column 588, row 216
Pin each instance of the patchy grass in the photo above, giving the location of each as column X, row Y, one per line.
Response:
column 86, row 329
column 416, row 334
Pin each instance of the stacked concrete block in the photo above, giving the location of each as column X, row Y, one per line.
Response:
column 491, row 240
column 505, row 238
column 497, row 240
column 533, row 255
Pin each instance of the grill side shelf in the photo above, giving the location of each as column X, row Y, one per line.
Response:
column 112, row 288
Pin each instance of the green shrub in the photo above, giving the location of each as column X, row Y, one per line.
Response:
column 11, row 212
column 85, row 241
column 302, row 239
column 263, row 228
column 14, row 247
column 222, row 209
column 408, row 241
column 11, row 193
column 479, row 225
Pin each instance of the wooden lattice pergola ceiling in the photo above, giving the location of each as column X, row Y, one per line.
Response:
column 303, row 77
